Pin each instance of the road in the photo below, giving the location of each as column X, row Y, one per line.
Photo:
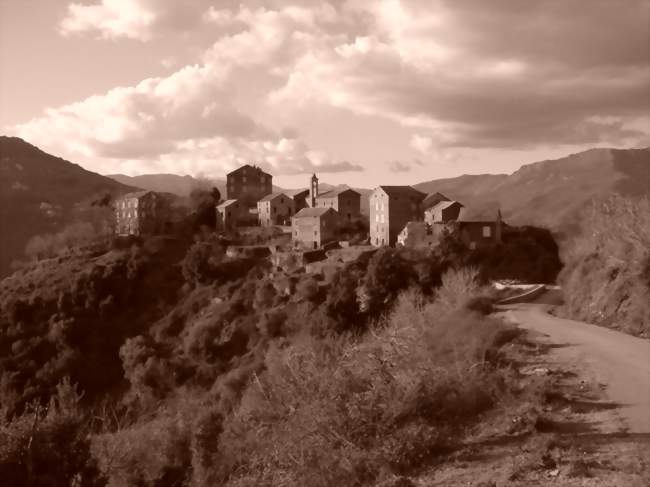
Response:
column 618, row 361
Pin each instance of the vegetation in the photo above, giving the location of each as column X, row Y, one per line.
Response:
column 607, row 275
column 210, row 369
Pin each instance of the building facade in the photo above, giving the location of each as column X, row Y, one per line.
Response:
column 314, row 227
column 142, row 213
column 299, row 198
column 275, row 209
column 391, row 208
column 248, row 184
column 344, row 200
column 230, row 214
column 443, row 212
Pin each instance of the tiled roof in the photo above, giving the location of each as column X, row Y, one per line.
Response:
column 442, row 205
column 226, row 203
column 311, row 212
column 402, row 191
column 335, row 192
column 433, row 199
column 248, row 167
column 272, row 196
column 135, row 194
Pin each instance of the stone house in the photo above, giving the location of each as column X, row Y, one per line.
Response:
column 314, row 227
column 275, row 209
column 143, row 213
column 346, row 201
column 248, row 184
column 473, row 233
column 480, row 233
column 443, row 212
column 231, row 213
column 391, row 208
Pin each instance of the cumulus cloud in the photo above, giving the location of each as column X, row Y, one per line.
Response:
column 489, row 74
column 469, row 74
column 133, row 19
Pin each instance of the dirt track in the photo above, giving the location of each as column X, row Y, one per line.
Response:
column 620, row 362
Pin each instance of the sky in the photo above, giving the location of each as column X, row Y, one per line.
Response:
column 362, row 92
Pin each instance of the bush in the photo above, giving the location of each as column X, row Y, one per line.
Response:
column 346, row 412
column 606, row 278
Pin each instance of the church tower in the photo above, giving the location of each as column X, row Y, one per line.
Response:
column 313, row 191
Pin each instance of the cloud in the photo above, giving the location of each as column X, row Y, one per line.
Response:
column 132, row 19
column 453, row 68
column 421, row 143
column 458, row 75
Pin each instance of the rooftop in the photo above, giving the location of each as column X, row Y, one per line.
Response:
column 272, row 196
column 335, row 192
column 248, row 168
column 135, row 194
column 402, row 191
column 226, row 203
column 444, row 204
column 311, row 212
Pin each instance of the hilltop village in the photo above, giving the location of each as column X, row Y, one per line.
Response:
column 398, row 215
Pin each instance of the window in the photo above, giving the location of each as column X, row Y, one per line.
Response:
column 377, row 217
column 315, row 233
column 383, row 218
column 487, row 232
column 472, row 245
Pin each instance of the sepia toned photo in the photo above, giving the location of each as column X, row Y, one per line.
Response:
column 324, row 243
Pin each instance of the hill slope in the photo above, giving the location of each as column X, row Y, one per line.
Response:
column 39, row 193
column 552, row 193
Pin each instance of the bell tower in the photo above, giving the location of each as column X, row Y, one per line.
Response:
column 313, row 191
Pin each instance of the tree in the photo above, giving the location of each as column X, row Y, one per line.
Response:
column 388, row 273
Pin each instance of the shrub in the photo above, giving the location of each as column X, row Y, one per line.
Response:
column 605, row 280
column 345, row 412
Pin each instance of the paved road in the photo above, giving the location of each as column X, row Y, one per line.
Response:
column 621, row 362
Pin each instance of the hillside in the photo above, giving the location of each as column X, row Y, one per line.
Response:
column 39, row 193
column 552, row 193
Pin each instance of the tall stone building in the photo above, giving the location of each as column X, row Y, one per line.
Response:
column 391, row 208
column 142, row 213
column 248, row 184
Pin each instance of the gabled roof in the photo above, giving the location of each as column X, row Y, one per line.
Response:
column 335, row 192
column 297, row 193
column 226, row 203
column 135, row 194
column 312, row 212
column 402, row 191
column 433, row 199
column 248, row 168
column 272, row 196
column 442, row 205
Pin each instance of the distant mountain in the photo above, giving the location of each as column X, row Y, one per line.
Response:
column 173, row 183
column 39, row 193
column 551, row 193
column 170, row 183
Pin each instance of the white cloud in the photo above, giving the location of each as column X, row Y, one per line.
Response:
column 421, row 143
column 448, row 70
